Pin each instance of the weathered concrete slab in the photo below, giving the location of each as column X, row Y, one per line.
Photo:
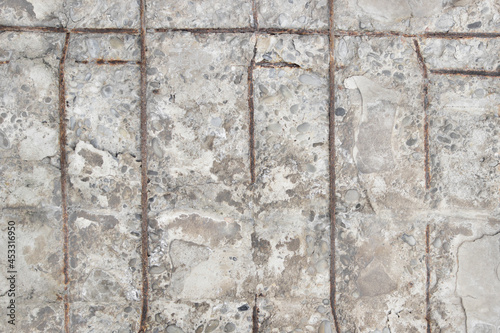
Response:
column 200, row 14
column 466, row 54
column 115, row 316
column 464, row 253
column 201, row 315
column 416, row 16
column 294, row 315
column 198, row 122
column 381, row 273
column 299, row 14
column 464, row 142
column 199, row 254
column 379, row 126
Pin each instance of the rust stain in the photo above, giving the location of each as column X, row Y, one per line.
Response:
column 276, row 65
column 466, row 72
column 251, row 122
column 4, row 62
column 425, row 90
column 428, row 279
column 64, row 178
column 108, row 62
column 331, row 162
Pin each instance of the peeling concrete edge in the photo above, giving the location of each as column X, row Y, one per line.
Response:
column 64, row 179
column 458, row 268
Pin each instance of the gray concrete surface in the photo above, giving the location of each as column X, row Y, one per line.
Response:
column 250, row 166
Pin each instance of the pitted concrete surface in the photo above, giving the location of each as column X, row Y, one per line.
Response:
column 250, row 166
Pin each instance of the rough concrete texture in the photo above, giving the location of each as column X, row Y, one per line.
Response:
column 250, row 166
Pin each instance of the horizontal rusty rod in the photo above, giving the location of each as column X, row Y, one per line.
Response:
column 342, row 33
column 108, row 62
column 4, row 62
column 207, row 30
column 32, row 29
column 270, row 31
column 276, row 64
column 256, row 29
column 467, row 72
column 104, row 31
column 275, row 31
column 66, row 30
column 460, row 35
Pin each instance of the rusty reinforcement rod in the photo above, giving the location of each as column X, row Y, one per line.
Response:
column 255, row 316
column 108, row 62
column 257, row 30
column 465, row 72
column 251, row 116
column 69, row 30
column 64, row 180
column 144, row 177
column 425, row 91
column 331, row 163
column 276, row 65
column 427, row 279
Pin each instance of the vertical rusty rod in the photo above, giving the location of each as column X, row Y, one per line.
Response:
column 144, row 177
column 425, row 91
column 331, row 161
column 64, row 179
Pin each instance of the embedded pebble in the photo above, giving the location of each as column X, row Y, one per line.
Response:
column 409, row 239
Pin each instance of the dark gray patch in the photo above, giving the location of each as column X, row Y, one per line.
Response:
column 19, row 6
column 91, row 157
